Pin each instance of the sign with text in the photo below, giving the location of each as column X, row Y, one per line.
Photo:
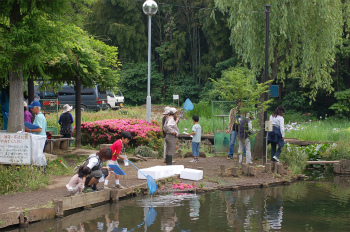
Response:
column 15, row 148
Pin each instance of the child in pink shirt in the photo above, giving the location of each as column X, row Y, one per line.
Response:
column 76, row 183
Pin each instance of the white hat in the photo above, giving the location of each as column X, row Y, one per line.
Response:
column 173, row 110
column 25, row 104
column 166, row 110
column 67, row 108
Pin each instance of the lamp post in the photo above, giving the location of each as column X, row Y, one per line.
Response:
column 149, row 7
column 266, row 76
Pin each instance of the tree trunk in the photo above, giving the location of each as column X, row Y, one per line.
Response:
column 16, row 114
column 77, row 111
column 259, row 138
column 30, row 89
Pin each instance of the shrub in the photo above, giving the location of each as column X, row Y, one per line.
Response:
column 338, row 151
column 144, row 151
column 108, row 131
column 296, row 158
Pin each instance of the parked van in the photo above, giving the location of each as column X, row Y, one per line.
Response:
column 91, row 98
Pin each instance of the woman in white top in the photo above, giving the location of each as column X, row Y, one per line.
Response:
column 276, row 137
column 172, row 131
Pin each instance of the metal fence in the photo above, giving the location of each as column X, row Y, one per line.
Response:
column 221, row 112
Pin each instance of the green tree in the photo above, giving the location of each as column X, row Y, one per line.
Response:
column 302, row 45
column 133, row 83
column 120, row 23
column 239, row 84
column 303, row 38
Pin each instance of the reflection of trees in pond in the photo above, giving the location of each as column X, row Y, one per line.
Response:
column 295, row 191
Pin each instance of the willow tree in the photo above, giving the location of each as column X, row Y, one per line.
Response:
column 303, row 39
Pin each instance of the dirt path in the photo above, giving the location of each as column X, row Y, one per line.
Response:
column 212, row 179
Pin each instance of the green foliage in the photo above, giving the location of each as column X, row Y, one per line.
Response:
column 330, row 130
column 296, row 158
column 342, row 106
column 133, row 83
column 14, row 179
column 303, row 38
column 120, row 23
column 144, row 151
column 183, row 85
column 239, row 84
column 315, row 151
column 202, row 109
column 55, row 167
column 337, row 151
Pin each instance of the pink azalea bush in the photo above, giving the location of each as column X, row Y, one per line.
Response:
column 109, row 130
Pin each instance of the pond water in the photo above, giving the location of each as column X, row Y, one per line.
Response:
column 302, row 206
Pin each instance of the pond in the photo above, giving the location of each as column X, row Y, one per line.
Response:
column 302, row 206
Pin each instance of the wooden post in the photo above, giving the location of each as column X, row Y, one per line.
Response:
column 235, row 171
column 251, row 171
column 275, row 167
column 337, row 168
column 245, row 169
column 279, row 168
column 268, row 167
column 58, row 206
column 222, row 168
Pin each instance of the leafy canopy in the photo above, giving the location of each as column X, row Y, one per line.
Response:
column 303, row 37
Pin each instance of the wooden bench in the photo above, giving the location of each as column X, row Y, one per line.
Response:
column 59, row 143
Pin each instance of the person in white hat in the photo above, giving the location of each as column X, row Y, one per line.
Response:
column 66, row 121
column 166, row 114
column 172, row 131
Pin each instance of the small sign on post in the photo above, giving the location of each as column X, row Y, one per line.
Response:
column 176, row 97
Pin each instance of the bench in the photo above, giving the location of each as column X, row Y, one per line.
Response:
column 59, row 143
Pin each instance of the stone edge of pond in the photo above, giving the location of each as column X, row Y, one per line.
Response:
column 88, row 200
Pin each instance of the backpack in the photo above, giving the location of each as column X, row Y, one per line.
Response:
column 84, row 163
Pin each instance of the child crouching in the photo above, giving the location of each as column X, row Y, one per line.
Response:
column 76, row 183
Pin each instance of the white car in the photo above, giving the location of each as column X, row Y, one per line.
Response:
column 115, row 100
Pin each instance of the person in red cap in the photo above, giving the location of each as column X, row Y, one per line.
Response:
column 118, row 150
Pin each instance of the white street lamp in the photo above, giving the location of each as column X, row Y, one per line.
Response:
column 149, row 7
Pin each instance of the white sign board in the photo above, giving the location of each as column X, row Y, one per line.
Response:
column 15, row 148
column 175, row 97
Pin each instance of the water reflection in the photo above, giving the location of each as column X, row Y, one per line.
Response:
column 302, row 206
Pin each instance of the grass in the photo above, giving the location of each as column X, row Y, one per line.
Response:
column 330, row 130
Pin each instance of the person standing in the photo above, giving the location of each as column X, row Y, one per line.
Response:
column 276, row 136
column 196, row 139
column 172, row 131
column 66, row 120
column 118, row 150
column 166, row 114
column 233, row 130
column 245, row 127
column 39, row 120
column 27, row 115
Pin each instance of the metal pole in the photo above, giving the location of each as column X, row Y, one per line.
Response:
column 148, row 99
column 267, row 31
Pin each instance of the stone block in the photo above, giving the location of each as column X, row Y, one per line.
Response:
column 268, row 167
column 191, row 174
column 279, row 168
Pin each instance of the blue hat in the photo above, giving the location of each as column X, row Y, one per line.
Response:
column 34, row 104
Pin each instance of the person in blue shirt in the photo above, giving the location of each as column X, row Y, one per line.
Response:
column 39, row 121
